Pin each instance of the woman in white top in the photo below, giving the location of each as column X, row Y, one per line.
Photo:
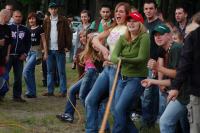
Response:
column 103, row 84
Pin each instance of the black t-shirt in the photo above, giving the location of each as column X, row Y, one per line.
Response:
column 153, row 47
column 5, row 33
column 36, row 35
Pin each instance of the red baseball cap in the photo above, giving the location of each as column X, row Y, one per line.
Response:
column 136, row 16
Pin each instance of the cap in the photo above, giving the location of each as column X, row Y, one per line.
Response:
column 161, row 28
column 52, row 4
column 136, row 16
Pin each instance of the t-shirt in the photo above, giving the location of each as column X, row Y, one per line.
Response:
column 36, row 35
column 100, row 27
column 172, row 63
column 114, row 36
column 153, row 47
column 5, row 33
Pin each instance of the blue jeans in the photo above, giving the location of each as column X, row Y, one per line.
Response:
column 29, row 73
column 174, row 112
column 3, row 84
column 128, row 91
column 99, row 92
column 17, row 65
column 162, row 102
column 83, row 86
column 56, row 58
column 150, row 104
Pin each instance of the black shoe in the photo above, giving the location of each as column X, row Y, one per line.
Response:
column 19, row 99
column 65, row 117
column 29, row 96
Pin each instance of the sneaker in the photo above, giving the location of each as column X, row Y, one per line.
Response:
column 135, row 117
column 65, row 117
column 19, row 99
column 61, row 95
column 29, row 96
column 47, row 94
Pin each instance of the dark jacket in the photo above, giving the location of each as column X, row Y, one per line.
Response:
column 20, row 40
column 64, row 33
column 189, row 65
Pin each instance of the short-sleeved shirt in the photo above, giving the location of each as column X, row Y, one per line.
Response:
column 173, row 60
column 5, row 33
column 36, row 35
column 114, row 36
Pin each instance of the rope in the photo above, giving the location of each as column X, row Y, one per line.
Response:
column 105, row 117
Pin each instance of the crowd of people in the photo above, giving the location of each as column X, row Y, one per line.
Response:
column 158, row 78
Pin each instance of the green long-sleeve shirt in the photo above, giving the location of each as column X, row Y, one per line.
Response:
column 134, row 55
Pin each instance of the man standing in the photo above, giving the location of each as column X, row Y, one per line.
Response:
column 21, row 42
column 150, row 100
column 189, row 68
column 59, row 39
column 101, row 24
column 5, row 38
column 181, row 19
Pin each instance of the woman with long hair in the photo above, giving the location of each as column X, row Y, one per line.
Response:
column 103, row 84
column 34, row 55
column 133, row 49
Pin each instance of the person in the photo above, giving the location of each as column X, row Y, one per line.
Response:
column 59, row 39
column 85, row 19
column 133, row 49
column 170, row 52
column 34, row 55
column 5, row 44
column 21, row 42
column 150, row 98
column 104, row 21
column 181, row 18
column 188, row 71
column 103, row 84
column 177, row 37
column 91, row 59
column 10, row 8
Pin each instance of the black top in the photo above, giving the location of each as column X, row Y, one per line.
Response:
column 153, row 47
column 189, row 65
column 36, row 35
column 5, row 33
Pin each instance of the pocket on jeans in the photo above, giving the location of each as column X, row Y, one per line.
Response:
column 190, row 113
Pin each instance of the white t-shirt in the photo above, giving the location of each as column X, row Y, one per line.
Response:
column 54, row 34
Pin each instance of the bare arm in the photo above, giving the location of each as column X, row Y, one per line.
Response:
column 44, row 45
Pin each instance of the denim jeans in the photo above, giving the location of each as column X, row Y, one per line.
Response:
column 4, row 84
column 162, row 102
column 29, row 73
column 99, row 92
column 17, row 65
column 83, row 86
column 128, row 91
column 150, row 104
column 56, row 58
column 174, row 112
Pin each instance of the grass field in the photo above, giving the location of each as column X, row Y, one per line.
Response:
column 38, row 115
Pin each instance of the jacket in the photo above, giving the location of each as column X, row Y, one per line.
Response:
column 64, row 33
column 20, row 39
column 189, row 64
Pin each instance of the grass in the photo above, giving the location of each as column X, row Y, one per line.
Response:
column 38, row 115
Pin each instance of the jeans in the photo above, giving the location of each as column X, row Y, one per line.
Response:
column 56, row 58
column 83, row 86
column 150, row 104
column 17, row 65
column 193, row 114
column 162, row 102
column 128, row 91
column 3, row 84
column 29, row 73
column 99, row 92
column 174, row 112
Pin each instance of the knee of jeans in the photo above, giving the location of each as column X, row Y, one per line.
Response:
column 89, row 102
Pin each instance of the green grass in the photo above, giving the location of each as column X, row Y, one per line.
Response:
column 38, row 115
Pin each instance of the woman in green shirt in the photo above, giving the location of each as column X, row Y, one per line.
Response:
column 133, row 49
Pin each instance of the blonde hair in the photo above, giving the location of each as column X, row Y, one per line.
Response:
column 191, row 27
column 89, row 52
column 142, row 29
column 3, row 13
